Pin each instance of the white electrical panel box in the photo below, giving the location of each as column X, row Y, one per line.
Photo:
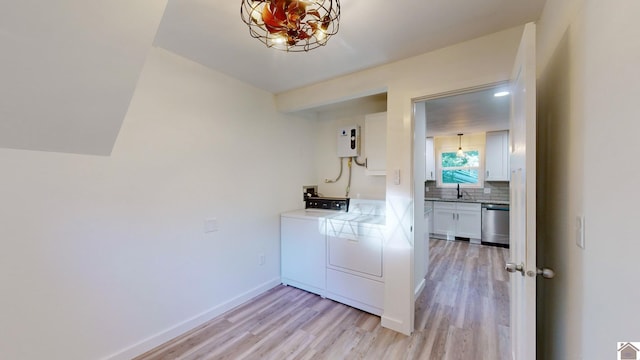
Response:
column 349, row 141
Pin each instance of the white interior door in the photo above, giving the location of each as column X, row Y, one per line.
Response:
column 523, row 199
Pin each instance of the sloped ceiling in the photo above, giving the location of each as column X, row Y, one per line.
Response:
column 68, row 70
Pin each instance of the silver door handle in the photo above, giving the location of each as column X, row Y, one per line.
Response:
column 511, row 267
column 546, row 273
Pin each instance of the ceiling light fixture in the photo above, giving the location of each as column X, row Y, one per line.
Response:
column 291, row 25
column 501, row 93
column 460, row 153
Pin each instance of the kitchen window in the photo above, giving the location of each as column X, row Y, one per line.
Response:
column 464, row 170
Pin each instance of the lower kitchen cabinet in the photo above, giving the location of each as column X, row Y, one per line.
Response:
column 303, row 253
column 457, row 219
column 444, row 218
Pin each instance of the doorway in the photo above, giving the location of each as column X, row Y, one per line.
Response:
column 467, row 160
column 463, row 279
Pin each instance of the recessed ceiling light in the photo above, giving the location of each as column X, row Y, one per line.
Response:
column 501, row 93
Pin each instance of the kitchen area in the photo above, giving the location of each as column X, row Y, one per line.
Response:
column 466, row 192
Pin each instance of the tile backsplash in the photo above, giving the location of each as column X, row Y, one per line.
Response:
column 499, row 191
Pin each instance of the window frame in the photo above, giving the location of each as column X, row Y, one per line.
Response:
column 480, row 167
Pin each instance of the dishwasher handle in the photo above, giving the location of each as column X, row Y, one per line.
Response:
column 495, row 207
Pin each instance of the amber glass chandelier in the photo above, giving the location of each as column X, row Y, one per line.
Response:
column 291, row 25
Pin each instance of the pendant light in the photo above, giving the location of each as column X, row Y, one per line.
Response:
column 460, row 153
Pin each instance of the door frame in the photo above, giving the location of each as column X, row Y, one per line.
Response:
column 418, row 203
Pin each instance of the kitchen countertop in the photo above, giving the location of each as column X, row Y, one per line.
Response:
column 484, row 201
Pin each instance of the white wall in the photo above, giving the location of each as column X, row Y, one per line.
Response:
column 101, row 253
column 588, row 54
column 477, row 62
column 69, row 69
column 327, row 162
column 476, row 140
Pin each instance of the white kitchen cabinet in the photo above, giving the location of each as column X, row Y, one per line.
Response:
column 428, row 210
column 303, row 253
column 444, row 220
column 430, row 160
column 497, row 156
column 375, row 143
column 469, row 221
column 459, row 219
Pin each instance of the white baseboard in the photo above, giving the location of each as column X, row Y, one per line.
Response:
column 191, row 323
column 418, row 290
column 395, row 325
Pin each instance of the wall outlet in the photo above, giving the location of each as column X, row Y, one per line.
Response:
column 211, row 225
column 261, row 259
column 426, row 189
column 580, row 231
column 487, row 190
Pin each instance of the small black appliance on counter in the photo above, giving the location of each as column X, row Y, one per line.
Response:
column 327, row 203
column 312, row 200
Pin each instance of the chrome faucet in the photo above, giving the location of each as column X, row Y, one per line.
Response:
column 459, row 193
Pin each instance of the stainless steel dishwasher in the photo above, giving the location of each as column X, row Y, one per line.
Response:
column 495, row 224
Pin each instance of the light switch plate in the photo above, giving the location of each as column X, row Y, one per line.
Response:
column 580, row 231
column 211, row 225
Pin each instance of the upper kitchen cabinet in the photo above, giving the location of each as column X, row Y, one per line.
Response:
column 430, row 160
column 497, row 156
column 375, row 143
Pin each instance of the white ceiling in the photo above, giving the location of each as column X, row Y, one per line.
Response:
column 468, row 113
column 372, row 32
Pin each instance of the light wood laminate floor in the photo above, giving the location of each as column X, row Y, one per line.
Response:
column 463, row 313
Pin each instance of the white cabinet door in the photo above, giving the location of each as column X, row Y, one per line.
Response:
column 375, row 143
column 303, row 254
column 453, row 219
column 469, row 221
column 497, row 156
column 444, row 221
column 428, row 210
column 430, row 160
